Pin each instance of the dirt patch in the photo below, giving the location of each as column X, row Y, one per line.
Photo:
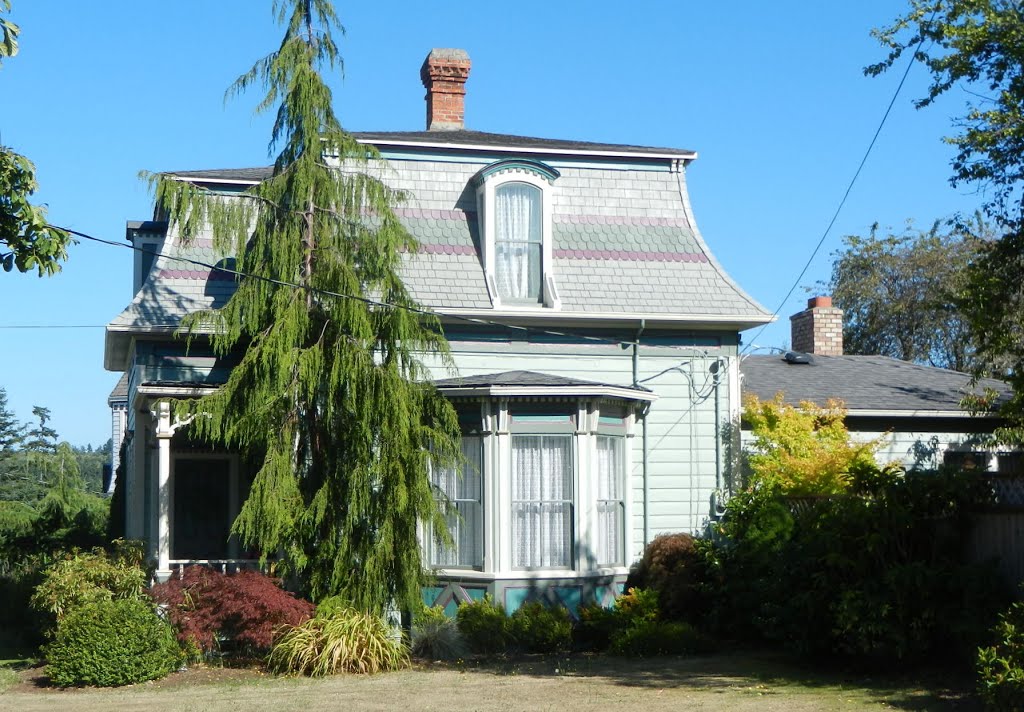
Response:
column 33, row 679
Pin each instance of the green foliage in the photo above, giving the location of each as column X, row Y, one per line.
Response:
column 8, row 32
column 673, row 566
column 84, row 578
column 876, row 575
column 330, row 393
column 435, row 636
column 31, row 243
column 112, row 642
column 484, row 626
column 1000, row 666
column 652, row 638
column 537, row 628
column 898, row 295
column 803, row 450
column 347, row 640
column 595, row 628
column 975, row 44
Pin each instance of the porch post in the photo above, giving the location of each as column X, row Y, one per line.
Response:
column 164, row 432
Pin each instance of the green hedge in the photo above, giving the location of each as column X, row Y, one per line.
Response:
column 112, row 642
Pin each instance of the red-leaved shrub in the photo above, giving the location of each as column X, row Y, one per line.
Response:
column 245, row 608
column 673, row 566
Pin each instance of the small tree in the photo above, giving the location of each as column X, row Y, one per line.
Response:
column 803, row 450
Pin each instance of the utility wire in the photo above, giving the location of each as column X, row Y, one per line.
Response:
column 849, row 188
column 366, row 300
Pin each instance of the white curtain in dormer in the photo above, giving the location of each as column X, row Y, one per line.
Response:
column 610, row 504
column 541, row 501
column 518, row 241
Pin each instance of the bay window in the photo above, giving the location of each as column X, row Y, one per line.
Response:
column 542, row 501
column 462, row 485
column 611, row 502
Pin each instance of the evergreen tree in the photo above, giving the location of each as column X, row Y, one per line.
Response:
column 41, row 438
column 12, row 433
column 330, row 395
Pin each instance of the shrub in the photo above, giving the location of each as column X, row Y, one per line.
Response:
column 244, row 609
column 637, row 605
column 345, row 640
column 673, row 566
column 435, row 635
column 537, row 628
column 484, row 626
column 83, row 578
column 111, row 642
column 331, row 605
column 651, row 638
column 877, row 576
column 1001, row 666
column 595, row 627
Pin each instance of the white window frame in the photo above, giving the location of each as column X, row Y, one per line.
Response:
column 538, row 176
column 453, row 502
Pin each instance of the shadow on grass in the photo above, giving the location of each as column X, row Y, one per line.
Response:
column 762, row 673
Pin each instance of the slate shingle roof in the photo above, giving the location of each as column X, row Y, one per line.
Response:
column 861, row 382
column 623, row 238
column 120, row 392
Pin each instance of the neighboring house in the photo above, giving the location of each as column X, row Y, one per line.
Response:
column 602, row 424
column 915, row 409
column 118, row 402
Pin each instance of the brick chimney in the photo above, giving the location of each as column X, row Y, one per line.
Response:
column 818, row 329
column 444, row 74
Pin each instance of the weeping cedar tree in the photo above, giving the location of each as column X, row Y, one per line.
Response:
column 976, row 45
column 330, row 395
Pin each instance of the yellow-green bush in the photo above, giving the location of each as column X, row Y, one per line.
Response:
column 344, row 640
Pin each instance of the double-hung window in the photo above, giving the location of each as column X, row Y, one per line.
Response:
column 519, row 242
column 542, row 501
column 611, row 502
column 462, row 485
column 515, row 204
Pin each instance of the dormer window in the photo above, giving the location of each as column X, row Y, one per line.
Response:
column 519, row 242
column 515, row 205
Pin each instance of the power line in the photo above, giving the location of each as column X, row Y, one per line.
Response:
column 478, row 321
column 846, row 195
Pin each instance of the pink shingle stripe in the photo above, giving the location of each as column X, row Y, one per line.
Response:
column 633, row 255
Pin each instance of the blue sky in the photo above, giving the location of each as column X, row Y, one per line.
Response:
column 771, row 95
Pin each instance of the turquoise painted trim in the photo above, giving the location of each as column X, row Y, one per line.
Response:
column 654, row 166
column 536, row 167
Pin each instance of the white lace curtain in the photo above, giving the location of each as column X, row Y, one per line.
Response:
column 541, row 501
column 463, row 486
column 518, row 241
column 610, row 506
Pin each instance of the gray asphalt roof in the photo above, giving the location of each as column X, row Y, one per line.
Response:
column 509, row 141
column 524, row 378
column 120, row 392
column 861, row 382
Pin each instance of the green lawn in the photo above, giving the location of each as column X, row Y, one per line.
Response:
column 760, row 682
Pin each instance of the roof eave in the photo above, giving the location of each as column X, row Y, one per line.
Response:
column 548, row 150
column 496, row 391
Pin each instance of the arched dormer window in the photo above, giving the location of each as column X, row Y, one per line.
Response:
column 515, row 205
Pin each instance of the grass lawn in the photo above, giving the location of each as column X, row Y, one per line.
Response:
column 761, row 682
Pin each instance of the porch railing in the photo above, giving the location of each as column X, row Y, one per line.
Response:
column 225, row 566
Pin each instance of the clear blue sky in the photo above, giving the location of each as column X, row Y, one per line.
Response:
column 771, row 95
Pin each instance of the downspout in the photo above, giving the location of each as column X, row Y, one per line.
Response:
column 643, row 461
column 719, row 367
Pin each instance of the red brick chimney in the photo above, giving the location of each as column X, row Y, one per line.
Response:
column 818, row 329
column 444, row 74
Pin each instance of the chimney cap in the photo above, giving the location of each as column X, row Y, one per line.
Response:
column 444, row 74
column 819, row 302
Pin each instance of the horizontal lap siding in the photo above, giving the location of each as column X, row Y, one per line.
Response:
column 682, row 434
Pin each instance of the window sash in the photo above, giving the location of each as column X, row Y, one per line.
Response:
column 462, row 485
column 518, row 241
column 611, row 504
column 542, row 501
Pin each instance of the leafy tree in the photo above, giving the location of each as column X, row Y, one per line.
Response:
column 31, row 243
column 803, row 450
column 976, row 44
column 41, row 437
column 899, row 293
column 330, row 395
